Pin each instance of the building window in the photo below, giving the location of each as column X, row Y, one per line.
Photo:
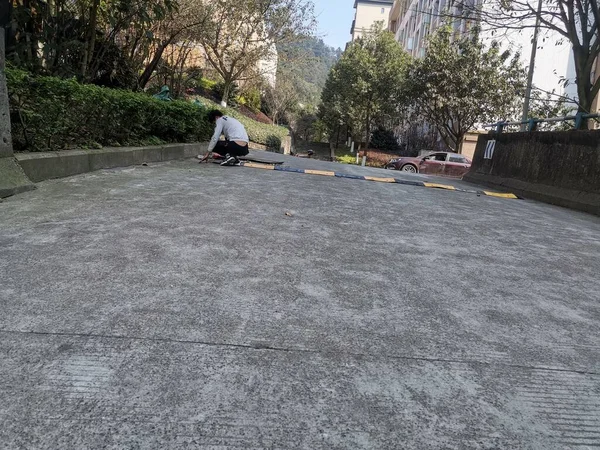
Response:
column 382, row 10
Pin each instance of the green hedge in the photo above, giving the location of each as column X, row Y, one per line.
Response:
column 51, row 114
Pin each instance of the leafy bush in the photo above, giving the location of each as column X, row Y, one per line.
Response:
column 251, row 98
column 51, row 113
column 273, row 143
column 234, row 92
column 206, row 84
column 346, row 159
column 384, row 140
column 375, row 158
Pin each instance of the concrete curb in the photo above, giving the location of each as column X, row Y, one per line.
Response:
column 580, row 201
column 42, row 166
column 12, row 178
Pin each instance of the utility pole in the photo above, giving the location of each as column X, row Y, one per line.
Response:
column 531, row 67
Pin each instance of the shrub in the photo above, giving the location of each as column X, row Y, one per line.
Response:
column 51, row 113
column 384, row 140
column 346, row 159
column 234, row 92
column 251, row 99
column 273, row 143
column 206, row 84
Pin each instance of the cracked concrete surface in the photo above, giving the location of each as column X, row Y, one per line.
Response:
column 178, row 306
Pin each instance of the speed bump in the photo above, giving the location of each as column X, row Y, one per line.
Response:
column 499, row 194
column 255, row 165
column 380, row 179
column 320, row 172
column 440, row 186
column 329, row 173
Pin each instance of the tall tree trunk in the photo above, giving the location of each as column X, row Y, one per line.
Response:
column 460, row 139
column 5, row 134
column 225, row 96
column 88, row 54
column 583, row 72
column 152, row 65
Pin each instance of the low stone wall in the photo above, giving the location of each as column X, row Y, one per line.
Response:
column 42, row 166
column 12, row 178
column 561, row 168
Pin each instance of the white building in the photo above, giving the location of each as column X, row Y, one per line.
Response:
column 267, row 66
column 412, row 21
column 367, row 14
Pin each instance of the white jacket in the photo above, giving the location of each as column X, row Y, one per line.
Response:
column 231, row 128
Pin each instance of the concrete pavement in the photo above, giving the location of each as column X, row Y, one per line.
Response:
column 178, row 306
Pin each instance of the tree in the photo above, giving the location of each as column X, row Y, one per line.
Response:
column 308, row 62
column 576, row 21
column 183, row 25
column 385, row 140
column 99, row 42
column 305, row 125
column 460, row 83
column 282, row 98
column 549, row 105
column 242, row 33
column 364, row 88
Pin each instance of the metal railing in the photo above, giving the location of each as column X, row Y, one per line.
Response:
column 532, row 124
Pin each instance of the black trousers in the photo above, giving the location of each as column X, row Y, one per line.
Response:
column 234, row 149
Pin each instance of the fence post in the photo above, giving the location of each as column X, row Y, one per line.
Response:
column 532, row 124
column 579, row 120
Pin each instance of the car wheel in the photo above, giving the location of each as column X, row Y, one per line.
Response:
column 409, row 168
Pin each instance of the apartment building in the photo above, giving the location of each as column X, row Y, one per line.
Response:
column 369, row 12
column 412, row 22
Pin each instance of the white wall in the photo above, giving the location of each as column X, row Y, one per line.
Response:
column 552, row 60
column 367, row 14
column 268, row 66
column 422, row 17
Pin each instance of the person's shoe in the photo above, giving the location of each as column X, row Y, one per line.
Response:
column 229, row 160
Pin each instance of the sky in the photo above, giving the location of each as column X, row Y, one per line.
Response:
column 335, row 20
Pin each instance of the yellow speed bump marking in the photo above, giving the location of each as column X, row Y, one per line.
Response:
column 320, row 172
column 440, row 186
column 259, row 166
column 381, row 180
column 500, row 195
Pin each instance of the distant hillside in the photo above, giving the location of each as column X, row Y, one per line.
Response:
column 309, row 61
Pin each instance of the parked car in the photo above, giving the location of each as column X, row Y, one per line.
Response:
column 440, row 163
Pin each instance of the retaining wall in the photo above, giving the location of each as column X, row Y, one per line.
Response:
column 561, row 168
column 40, row 166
